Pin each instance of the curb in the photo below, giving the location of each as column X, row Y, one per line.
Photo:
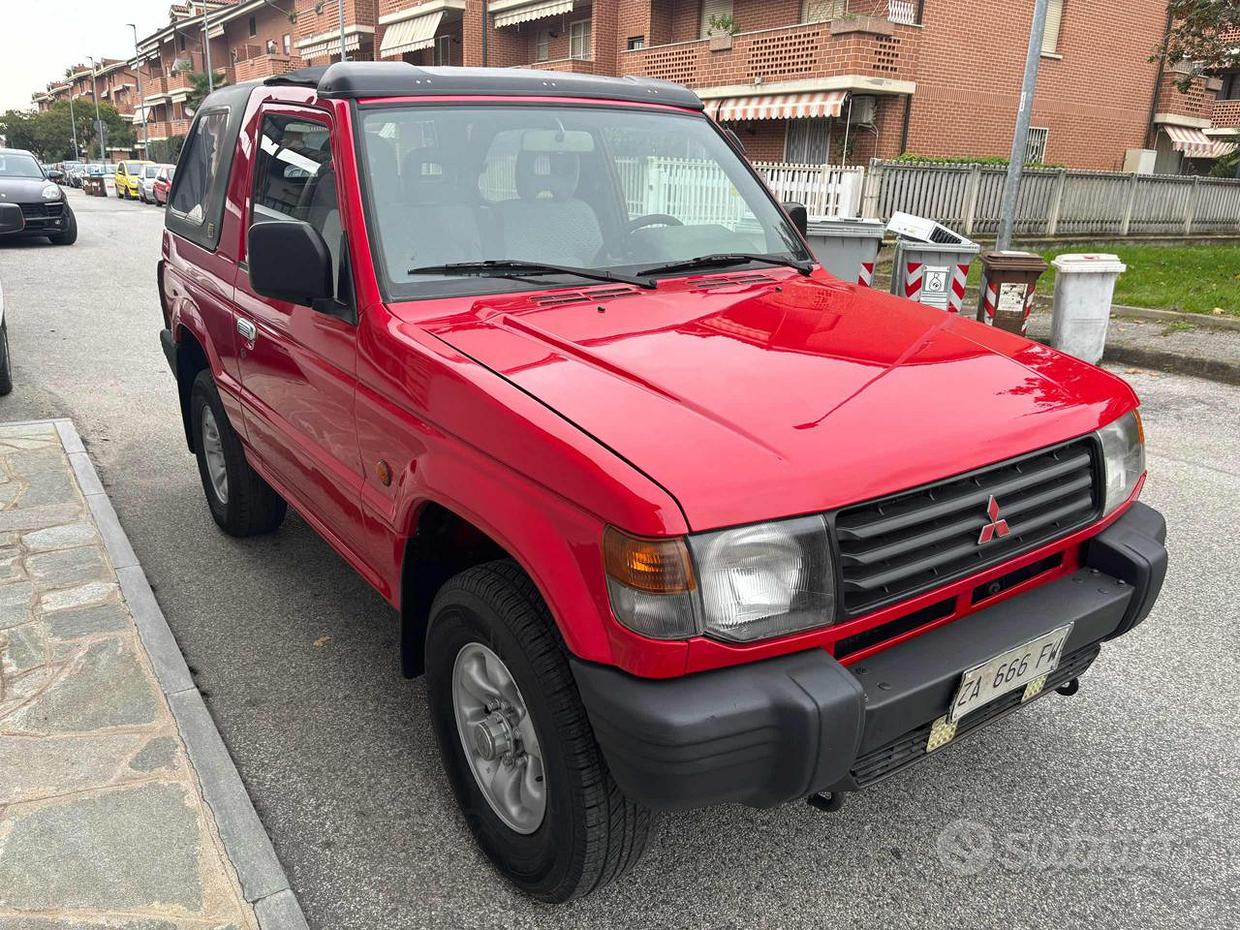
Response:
column 1212, row 369
column 1204, row 320
column 263, row 882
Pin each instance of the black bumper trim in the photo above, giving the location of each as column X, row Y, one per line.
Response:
column 170, row 348
column 783, row 728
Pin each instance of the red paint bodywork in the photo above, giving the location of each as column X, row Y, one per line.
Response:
column 697, row 405
column 160, row 188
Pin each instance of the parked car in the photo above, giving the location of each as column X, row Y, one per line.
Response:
column 146, row 187
column 163, row 181
column 31, row 204
column 671, row 517
column 129, row 179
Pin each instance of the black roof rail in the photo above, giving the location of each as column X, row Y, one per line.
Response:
column 356, row 79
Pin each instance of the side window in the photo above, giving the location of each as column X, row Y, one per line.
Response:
column 199, row 164
column 294, row 178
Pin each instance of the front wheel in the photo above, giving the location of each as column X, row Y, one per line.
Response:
column 69, row 236
column 515, row 741
column 6, row 374
column 242, row 503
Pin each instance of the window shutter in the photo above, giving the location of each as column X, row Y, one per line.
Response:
column 1050, row 34
column 713, row 8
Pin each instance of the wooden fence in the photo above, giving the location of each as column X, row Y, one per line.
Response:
column 1055, row 201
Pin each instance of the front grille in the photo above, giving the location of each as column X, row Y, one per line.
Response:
column 38, row 211
column 911, row 747
column 900, row 545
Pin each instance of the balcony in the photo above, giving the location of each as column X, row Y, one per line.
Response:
column 163, row 129
column 867, row 46
column 1226, row 114
column 566, row 65
column 154, row 87
column 260, row 66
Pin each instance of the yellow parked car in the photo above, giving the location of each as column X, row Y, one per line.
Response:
column 129, row 179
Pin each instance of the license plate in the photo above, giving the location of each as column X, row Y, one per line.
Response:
column 1008, row 671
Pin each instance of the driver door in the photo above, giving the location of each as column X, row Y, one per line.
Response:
column 298, row 365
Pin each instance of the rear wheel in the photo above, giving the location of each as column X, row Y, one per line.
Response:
column 242, row 503
column 516, row 743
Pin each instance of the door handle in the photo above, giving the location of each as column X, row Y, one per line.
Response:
column 247, row 329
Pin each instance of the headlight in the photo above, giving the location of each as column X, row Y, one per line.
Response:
column 1123, row 458
column 742, row 584
column 50, row 192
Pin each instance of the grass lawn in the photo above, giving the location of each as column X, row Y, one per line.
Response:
column 1193, row 278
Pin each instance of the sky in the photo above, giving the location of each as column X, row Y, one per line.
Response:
column 40, row 38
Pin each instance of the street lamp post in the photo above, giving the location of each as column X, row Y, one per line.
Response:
column 343, row 54
column 77, row 152
column 206, row 45
column 1016, row 164
column 137, row 73
column 94, row 77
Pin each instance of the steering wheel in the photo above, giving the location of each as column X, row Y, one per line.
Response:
column 651, row 219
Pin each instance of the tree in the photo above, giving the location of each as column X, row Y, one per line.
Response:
column 199, row 89
column 1203, row 33
column 17, row 126
column 50, row 136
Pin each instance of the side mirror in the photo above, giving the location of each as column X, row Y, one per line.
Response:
column 799, row 216
column 289, row 261
column 55, row 174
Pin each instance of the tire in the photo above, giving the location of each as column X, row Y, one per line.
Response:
column 6, row 373
column 69, row 236
column 590, row 834
column 248, row 505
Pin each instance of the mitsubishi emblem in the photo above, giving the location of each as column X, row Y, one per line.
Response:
column 995, row 527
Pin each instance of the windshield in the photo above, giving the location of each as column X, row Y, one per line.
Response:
column 150, row 171
column 602, row 188
column 18, row 165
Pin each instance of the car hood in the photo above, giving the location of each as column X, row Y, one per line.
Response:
column 22, row 190
column 752, row 396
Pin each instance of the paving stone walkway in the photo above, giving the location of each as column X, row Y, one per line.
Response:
column 103, row 822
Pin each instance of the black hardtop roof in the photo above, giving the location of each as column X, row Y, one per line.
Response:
column 354, row 79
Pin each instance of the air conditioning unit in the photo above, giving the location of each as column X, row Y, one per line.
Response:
column 861, row 110
column 922, row 229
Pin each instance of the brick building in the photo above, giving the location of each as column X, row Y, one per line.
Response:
column 799, row 80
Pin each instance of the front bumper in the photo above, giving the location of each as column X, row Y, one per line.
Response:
column 34, row 219
column 784, row 728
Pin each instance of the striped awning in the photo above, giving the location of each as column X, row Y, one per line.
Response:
column 1196, row 144
column 328, row 44
column 781, row 106
column 410, row 35
column 514, row 13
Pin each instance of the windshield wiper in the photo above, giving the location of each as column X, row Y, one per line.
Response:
column 512, row 268
column 724, row 259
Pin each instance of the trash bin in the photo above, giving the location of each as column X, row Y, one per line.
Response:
column 932, row 273
column 846, row 247
column 1009, row 279
column 1084, row 285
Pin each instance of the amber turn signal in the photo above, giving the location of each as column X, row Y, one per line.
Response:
column 654, row 566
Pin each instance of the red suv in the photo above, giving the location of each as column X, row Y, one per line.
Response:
column 671, row 517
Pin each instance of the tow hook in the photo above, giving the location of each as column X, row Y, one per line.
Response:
column 1069, row 688
column 826, row 801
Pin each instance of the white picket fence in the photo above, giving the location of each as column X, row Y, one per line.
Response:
column 1055, row 201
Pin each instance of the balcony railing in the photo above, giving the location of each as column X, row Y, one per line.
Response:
column 568, row 65
column 802, row 50
column 1226, row 114
column 163, row 129
column 257, row 67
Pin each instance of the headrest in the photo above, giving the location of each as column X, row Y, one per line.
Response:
column 429, row 177
column 554, row 173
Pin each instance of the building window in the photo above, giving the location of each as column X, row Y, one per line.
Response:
column 542, row 45
column 821, row 11
column 1050, row 34
column 1035, row 146
column 714, row 9
column 1231, row 87
column 808, row 141
column 253, row 26
column 181, row 42
column 635, row 42
column 271, row 47
column 443, row 51
column 581, row 40
column 288, row 44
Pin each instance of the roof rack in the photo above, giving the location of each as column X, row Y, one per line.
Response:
column 360, row 79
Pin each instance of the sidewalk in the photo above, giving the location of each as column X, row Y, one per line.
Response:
column 120, row 808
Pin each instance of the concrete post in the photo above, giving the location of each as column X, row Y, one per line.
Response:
column 1129, row 202
column 1052, row 213
column 972, row 191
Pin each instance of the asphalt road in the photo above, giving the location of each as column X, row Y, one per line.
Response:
column 1115, row 808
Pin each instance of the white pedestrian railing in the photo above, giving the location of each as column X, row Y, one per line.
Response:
column 1054, row 201
column 824, row 189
